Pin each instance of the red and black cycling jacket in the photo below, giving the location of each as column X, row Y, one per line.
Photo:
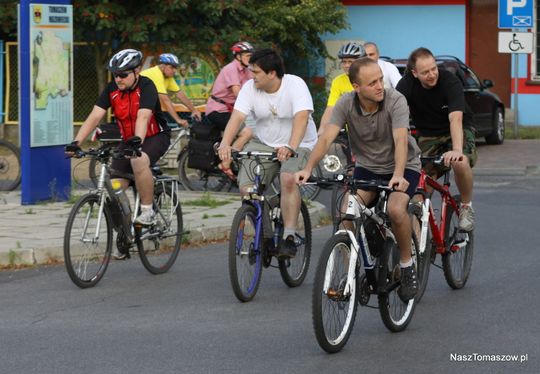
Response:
column 125, row 105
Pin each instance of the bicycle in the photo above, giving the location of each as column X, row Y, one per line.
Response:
column 256, row 231
column 443, row 235
column 88, row 235
column 10, row 166
column 356, row 264
column 215, row 179
column 112, row 136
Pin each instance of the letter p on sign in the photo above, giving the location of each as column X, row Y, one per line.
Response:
column 511, row 4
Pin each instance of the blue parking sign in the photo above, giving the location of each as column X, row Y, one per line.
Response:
column 515, row 14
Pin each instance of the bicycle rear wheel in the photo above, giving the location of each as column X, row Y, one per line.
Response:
column 333, row 309
column 423, row 255
column 159, row 244
column 395, row 313
column 199, row 180
column 245, row 259
column 10, row 166
column 87, row 241
column 457, row 260
column 293, row 271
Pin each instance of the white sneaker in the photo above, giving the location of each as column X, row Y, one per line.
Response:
column 146, row 218
column 466, row 218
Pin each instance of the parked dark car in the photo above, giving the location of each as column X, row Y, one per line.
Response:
column 487, row 108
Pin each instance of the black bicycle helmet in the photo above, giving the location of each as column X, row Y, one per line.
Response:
column 126, row 59
column 169, row 59
column 351, row 50
column 242, row 47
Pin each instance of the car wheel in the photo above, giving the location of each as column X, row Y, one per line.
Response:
column 497, row 129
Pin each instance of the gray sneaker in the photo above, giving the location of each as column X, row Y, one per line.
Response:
column 146, row 218
column 466, row 218
column 409, row 284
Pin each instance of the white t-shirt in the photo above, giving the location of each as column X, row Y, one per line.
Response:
column 273, row 113
column 390, row 73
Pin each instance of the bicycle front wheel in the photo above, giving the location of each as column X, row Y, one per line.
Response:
column 333, row 307
column 10, row 166
column 395, row 313
column 294, row 270
column 245, row 259
column 457, row 260
column 159, row 244
column 199, row 180
column 87, row 241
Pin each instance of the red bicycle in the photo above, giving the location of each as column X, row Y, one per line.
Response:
column 443, row 235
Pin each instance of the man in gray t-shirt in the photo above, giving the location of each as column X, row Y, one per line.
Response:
column 378, row 125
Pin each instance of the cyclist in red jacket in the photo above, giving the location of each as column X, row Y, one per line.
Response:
column 135, row 104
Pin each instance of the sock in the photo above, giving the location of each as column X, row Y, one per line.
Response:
column 469, row 204
column 405, row 264
column 288, row 231
column 146, row 207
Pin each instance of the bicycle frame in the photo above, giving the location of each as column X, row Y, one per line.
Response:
column 437, row 230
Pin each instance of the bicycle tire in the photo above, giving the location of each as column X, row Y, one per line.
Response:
column 198, row 180
column 159, row 244
column 333, row 313
column 245, row 257
column 294, row 270
column 395, row 314
column 456, row 263
column 10, row 166
column 307, row 191
column 85, row 262
column 94, row 170
column 423, row 257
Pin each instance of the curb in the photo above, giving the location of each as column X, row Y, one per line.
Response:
column 529, row 170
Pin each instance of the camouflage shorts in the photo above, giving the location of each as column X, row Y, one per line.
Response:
column 436, row 145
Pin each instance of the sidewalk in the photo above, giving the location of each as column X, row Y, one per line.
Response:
column 34, row 234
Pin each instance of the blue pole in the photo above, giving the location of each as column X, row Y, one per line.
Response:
column 46, row 173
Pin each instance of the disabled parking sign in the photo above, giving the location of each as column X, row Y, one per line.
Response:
column 515, row 14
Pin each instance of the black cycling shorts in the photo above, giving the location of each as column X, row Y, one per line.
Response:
column 410, row 175
column 154, row 146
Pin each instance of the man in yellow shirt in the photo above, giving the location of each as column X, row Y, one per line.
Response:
column 163, row 77
column 341, row 84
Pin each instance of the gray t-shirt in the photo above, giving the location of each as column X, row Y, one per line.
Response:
column 370, row 134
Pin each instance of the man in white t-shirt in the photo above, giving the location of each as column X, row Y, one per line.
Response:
column 390, row 72
column 281, row 106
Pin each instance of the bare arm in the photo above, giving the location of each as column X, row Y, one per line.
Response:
column 401, row 144
column 326, row 117
column 166, row 102
column 235, row 89
column 187, row 102
column 91, row 122
column 456, row 132
column 141, row 124
column 237, row 118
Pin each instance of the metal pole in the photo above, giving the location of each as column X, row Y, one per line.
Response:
column 516, row 111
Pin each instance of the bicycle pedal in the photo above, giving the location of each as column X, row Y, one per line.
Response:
column 364, row 291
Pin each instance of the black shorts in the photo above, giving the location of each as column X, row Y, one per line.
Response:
column 410, row 175
column 219, row 119
column 154, row 146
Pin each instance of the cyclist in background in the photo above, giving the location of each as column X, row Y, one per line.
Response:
column 444, row 122
column 226, row 87
column 135, row 104
column 390, row 71
column 281, row 106
column 378, row 125
column 163, row 77
column 341, row 84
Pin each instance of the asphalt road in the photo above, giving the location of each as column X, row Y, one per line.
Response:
column 188, row 321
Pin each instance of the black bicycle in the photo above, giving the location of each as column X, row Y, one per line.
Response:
column 88, row 237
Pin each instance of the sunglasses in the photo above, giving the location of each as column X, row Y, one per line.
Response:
column 121, row 75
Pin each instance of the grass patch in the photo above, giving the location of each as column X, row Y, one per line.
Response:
column 525, row 132
column 29, row 211
column 219, row 215
column 207, row 200
column 205, row 216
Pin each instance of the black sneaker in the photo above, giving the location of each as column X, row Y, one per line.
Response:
column 409, row 284
column 287, row 248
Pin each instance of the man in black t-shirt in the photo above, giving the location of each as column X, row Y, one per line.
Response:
column 444, row 122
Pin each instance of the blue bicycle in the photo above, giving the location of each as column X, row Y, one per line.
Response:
column 256, row 231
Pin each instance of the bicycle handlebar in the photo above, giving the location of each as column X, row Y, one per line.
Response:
column 343, row 179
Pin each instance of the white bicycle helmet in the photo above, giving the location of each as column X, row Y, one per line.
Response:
column 242, row 47
column 169, row 59
column 126, row 59
column 351, row 50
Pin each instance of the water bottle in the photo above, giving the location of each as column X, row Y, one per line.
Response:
column 121, row 197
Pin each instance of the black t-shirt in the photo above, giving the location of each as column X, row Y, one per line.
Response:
column 430, row 107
